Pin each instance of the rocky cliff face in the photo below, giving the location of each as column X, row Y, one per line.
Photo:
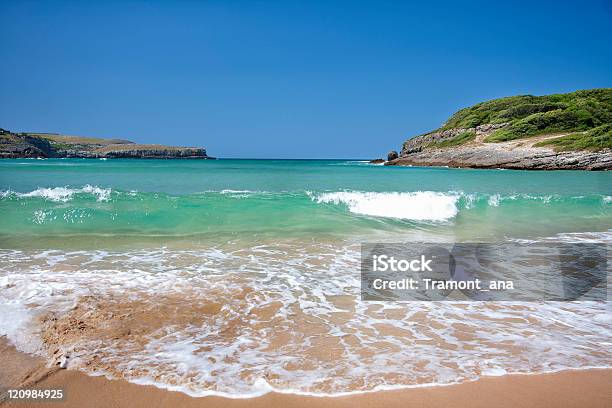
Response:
column 15, row 146
column 515, row 154
column 153, row 152
column 507, row 155
column 21, row 145
column 418, row 143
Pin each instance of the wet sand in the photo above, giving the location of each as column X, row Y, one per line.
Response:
column 587, row 388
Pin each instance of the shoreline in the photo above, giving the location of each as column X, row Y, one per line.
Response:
column 569, row 388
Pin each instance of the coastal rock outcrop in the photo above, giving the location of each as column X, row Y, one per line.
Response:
column 508, row 157
column 418, row 143
column 153, row 152
column 392, row 155
column 48, row 145
column 552, row 132
column 15, row 146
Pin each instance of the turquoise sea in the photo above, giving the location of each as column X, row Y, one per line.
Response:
column 47, row 201
column 238, row 277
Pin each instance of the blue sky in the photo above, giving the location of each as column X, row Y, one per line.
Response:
column 286, row 79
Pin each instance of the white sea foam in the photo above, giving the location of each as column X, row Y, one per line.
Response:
column 419, row 205
column 230, row 191
column 239, row 193
column 331, row 343
column 583, row 237
column 494, row 200
column 62, row 194
column 102, row 194
column 53, row 194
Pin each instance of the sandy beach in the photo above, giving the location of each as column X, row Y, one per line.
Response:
column 305, row 204
column 587, row 388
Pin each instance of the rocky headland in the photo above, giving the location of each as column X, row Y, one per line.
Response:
column 553, row 132
column 51, row 145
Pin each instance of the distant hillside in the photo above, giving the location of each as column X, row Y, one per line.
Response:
column 57, row 138
column 560, row 131
column 528, row 115
column 49, row 145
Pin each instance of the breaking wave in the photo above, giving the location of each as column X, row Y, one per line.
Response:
column 62, row 194
column 420, row 205
column 103, row 210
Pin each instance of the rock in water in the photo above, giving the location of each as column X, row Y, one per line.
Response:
column 392, row 155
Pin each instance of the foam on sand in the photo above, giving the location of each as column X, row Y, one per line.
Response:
column 288, row 317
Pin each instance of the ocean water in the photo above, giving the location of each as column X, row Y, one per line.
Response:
column 238, row 277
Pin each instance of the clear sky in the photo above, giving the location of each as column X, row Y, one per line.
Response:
column 286, row 79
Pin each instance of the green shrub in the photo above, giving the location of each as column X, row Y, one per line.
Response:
column 595, row 139
column 526, row 109
column 548, row 122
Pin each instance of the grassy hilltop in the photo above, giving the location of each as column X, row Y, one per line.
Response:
column 570, row 131
column 586, row 115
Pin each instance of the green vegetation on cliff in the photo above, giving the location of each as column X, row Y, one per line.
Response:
column 529, row 115
column 460, row 139
column 595, row 139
